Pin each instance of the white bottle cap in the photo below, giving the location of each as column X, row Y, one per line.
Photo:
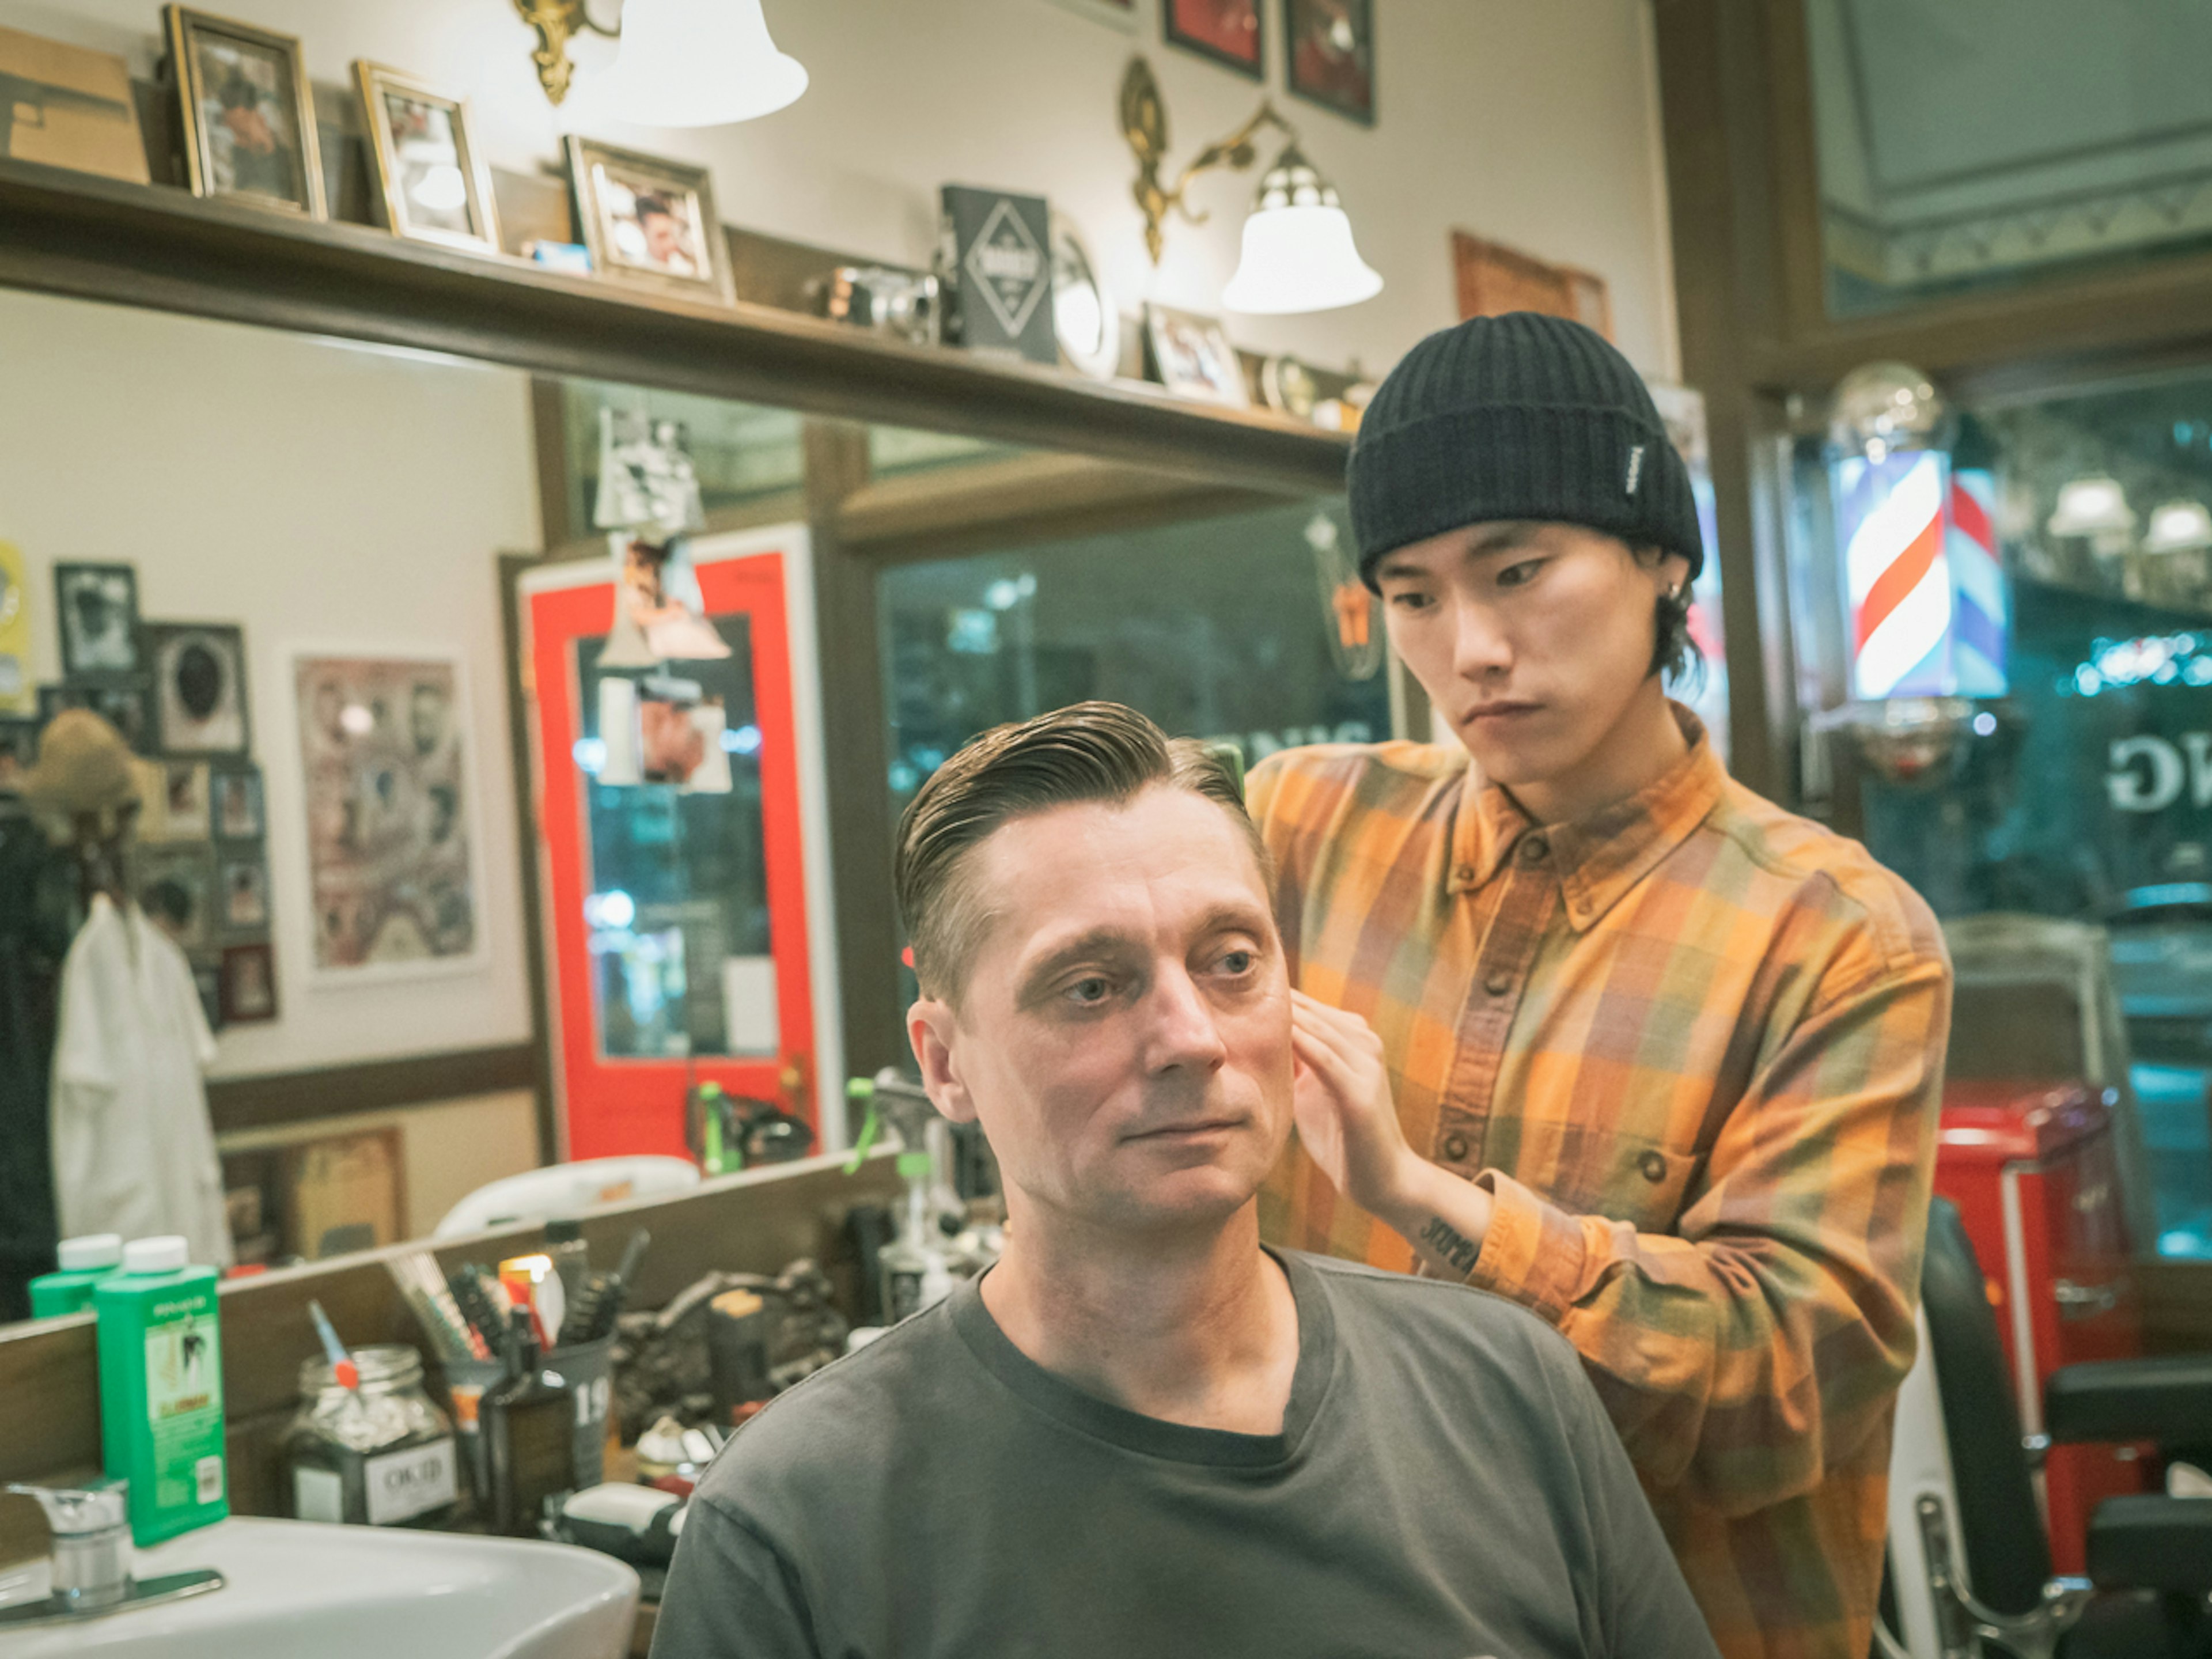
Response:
column 93, row 1250
column 163, row 1253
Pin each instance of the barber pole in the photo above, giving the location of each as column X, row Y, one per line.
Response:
column 1980, row 614
column 1898, row 581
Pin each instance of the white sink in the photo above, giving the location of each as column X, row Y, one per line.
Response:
column 299, row 1588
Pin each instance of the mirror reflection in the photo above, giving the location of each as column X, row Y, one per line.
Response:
column 468, row 879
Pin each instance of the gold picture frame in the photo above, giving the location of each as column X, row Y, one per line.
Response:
column 649, row 221
column 249, row 135
column 417, row 171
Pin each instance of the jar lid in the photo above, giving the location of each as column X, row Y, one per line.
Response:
column 93, row 1250
column 385, row 1364
column 164, row 1253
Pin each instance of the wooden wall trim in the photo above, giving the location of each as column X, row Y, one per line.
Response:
column 376, row 1086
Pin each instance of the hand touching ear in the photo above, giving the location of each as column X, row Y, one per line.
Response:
column 1349, row 1125
column 1345, row 1113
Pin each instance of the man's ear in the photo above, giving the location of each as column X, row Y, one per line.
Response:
column 932, row 1029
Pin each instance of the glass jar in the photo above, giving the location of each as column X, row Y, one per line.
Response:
column 381, row 1455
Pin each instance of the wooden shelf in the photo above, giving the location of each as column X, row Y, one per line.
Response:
column 157, row 247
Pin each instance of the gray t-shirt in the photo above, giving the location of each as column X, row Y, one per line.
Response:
column 1446, row 1485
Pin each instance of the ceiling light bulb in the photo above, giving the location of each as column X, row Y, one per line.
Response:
column 698, row 64
column 1299, row 252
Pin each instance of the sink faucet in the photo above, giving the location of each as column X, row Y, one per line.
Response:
column 92, row 1561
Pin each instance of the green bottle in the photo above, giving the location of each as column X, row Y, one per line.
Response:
column 84, row 1262
column 160, row 1388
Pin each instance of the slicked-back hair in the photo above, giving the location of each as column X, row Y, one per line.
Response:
column 1086, row 752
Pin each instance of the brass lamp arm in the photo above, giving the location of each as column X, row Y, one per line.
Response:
column 557, row 23
column 1233, row 152
column 1144, row 125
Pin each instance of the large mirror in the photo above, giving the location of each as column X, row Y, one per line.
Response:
column 354, row 612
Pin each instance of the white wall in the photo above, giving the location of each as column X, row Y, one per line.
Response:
column 1530, row 122
column 320, row 495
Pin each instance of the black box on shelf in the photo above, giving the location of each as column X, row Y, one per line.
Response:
column 995, row 265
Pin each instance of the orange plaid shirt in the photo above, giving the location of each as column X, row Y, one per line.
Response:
column 1692, row 1046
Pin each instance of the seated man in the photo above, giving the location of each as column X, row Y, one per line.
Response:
column 1141, row 1434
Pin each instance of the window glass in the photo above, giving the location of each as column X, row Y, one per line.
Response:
column 2086, row 793
column 1983, row 143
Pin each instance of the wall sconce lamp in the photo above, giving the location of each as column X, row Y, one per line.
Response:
column 684, row 62
column 1298, row 254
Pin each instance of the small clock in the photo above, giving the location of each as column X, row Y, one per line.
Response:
column 1084, row 319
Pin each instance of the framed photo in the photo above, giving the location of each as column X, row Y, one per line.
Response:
column 1332, row 55
column 176, row 889
column 249, row 120
column 1230, row 32
column 242, row 894
column 1191, row 356
column 248, row 988
column 234, row 805
column 96, row 613
column 199, row 687
column 432, row 185
column 648, row 220
column 392, row 857
column 181, row 811
column 68, row 107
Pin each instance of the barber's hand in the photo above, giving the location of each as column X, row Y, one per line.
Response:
column 1346, row 1116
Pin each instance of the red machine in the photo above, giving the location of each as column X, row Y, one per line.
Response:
column 2031, row 1169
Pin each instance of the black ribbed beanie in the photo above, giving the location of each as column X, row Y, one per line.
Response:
column 1519, row 417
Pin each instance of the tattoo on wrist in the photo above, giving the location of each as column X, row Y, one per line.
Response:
column 1440, row 1237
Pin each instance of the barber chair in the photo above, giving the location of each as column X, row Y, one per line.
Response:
column 1970, row 1573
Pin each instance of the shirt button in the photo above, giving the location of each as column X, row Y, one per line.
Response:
column 1455, row 1147
column 1498, row 984
column 1465, row 872
column 1654, row 1166
column 1535, row 850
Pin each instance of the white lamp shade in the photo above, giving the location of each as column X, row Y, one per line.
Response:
column 698, row 64
column 1298, row 258
column 2182, row 527
column 2093, row 506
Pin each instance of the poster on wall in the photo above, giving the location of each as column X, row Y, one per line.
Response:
column 391, row 855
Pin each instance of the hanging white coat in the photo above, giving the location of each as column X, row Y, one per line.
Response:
column 134, row 1153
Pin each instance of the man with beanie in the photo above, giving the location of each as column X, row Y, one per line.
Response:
column 1584, row 1022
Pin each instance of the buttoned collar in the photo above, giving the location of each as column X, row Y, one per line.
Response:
column 1596, row 859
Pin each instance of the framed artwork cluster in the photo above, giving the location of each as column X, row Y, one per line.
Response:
column 247, row 117
column 393, row 877
column 248, row 122
column 176, row 691
column 1328, row 52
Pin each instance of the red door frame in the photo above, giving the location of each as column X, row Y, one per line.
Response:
column 610, row 1106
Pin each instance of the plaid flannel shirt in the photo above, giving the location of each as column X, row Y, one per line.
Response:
column 1692, row 1046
